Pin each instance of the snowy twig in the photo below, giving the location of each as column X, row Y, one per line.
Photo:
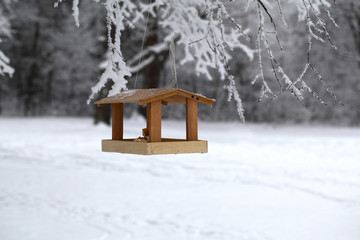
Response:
column 208, row 41
column 5, row 68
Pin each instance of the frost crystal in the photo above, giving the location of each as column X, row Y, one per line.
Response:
column 75, row 9
column 199, row 27
column 5, row 68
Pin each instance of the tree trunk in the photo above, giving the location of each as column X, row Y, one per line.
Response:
column 29, row 79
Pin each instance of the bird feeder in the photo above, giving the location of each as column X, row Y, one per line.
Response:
column 152, row 142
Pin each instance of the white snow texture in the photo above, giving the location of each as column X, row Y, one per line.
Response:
column 256, row 183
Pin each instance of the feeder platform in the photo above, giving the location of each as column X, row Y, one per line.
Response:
column 166, row 146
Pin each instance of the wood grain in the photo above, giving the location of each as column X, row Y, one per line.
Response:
column 144, row 96
column 167, row 146
column 155, row 121
column 117, row 121
column 191, row 120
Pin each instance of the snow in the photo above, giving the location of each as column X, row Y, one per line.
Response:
column 126, row 93
column 5, row 68
column 75, row 9
column 257, row 182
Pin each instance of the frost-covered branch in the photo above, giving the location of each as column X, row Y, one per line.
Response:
column 116, row 68
column 309, row 12
column 146, row 56
column 5, row 68
column 208, row 33
column 180, row 20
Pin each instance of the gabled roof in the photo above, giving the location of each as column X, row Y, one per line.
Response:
column 144, row 96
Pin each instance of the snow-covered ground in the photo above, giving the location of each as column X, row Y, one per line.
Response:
column 257, row 182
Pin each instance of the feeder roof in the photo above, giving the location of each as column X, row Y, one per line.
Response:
column 166, row 95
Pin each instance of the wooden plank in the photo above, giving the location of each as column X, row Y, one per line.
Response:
column 191, row 120
column 134, row 95
column 125, row 147
column 177, row 147
column 117, row 121
column 197, row 97
column 164, row 95
column 144, row 96
column 175, row 99
column 155, row 121
column 144, row 148
column 148, row 116
column 172, row 140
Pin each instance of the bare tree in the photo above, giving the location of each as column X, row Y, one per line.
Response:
column 207, row 39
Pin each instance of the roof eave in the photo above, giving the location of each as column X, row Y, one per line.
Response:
column 157, row 97
column 174, row 92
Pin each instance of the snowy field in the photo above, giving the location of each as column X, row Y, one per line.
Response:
column 256, row 183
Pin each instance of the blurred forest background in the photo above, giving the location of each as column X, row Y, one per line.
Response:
column 56, row 64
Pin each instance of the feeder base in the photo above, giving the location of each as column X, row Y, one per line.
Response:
column 166, row 146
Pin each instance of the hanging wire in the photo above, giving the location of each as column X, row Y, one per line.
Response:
column 142, row 44
column 173, row 65
column 171, row 53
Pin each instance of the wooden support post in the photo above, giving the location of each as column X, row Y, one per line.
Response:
column 117, row 121
column 191, row 120
column 148, row 112
column 153, row 120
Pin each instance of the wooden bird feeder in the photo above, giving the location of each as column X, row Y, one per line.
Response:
column 152, row 142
